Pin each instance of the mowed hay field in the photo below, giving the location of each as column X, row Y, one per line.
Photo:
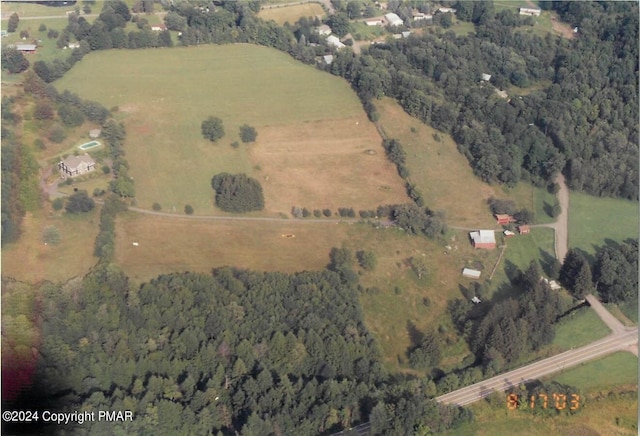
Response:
column 312, row 131
column 292, row 13
column 30, row 260
column 442, row 174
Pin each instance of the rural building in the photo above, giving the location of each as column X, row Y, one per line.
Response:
column 26, row 48
column 76, row 165
column 406, row 34
column 159, row 27
column 3, row 33
column 334, row 41
column 328, row 59
column 393, row 19
column 476, row 300
column 524, row 229
column 419, row 16
column 530, row 12
column 508, row 233
column 555, row 286
column 447, row 10
column 486, row 77
column 471, row 273
column 94, row 133
column 483, row 239
column 504, row 218
column 73, row 45
column 374, row 22
column 323, row 30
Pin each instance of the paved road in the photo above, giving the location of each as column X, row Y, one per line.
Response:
column 612, row 343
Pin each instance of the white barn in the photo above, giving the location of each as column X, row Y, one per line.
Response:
column 393, row 19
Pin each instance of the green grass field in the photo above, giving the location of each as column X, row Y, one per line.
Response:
column 579, row 328
column 604, row 374
column 312, row 131
column 593, row 221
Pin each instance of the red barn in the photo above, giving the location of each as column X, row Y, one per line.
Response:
column 483, row 239
column 524, row 229
column 504, row 218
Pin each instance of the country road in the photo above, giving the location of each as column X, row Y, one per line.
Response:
column 561, row 226
column 614, row 342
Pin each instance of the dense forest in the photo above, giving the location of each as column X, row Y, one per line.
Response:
column 256, row 353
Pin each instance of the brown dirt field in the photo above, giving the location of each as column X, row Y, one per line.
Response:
column 291, row 13
column 442, row 174
column 31, row 261
column 174, row 244
column 324, row 164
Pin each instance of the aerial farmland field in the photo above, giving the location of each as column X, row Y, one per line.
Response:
column 315, row 147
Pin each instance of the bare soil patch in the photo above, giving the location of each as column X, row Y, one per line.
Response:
column 325, row 164
column 561, row 28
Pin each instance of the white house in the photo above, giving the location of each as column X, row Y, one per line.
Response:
column 94, row 133
column 76, row 165
column 445, row 10
column 530, row 12
column 486, row 77
column 374, row 22
column 471, row 273
column 393, row 19
column 419, row 16
column 483, row 239
column 328, row 59
column 334, row 41
column 74, row 45
column 323, row 30
column 158, row 27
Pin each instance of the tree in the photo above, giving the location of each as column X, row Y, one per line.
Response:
column 42, row 28
column 156, row 206
column 419, row 265
column 354, row 9
column 14, row 61
column 175, row 21
column 237, row 193
column 70, row 115
column 339, row 23
column 80, row 202
column 367, row 259
column 212, row 128
column 57, row 203
column 248, row 133
column 188, row 209
column 575, row 274
column 43, row 111
column 12, row 26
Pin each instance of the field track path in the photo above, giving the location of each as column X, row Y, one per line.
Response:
column 561, row 226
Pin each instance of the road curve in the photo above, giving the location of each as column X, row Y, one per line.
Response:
column 612, row 343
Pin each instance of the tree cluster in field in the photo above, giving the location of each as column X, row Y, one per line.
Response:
column 79, row 202
column 237, row 193
column 436, row 78
column 231, row 352
column 415, row 220
column 614, row 274
column 13, row 60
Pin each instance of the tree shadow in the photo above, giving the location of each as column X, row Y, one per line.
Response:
column 467, row 293
column 548, row 209
column 415, row 336
column 512, row 271
column 547, row 261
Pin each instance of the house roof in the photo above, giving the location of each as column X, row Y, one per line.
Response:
column 483, row 237
column 486, row 77
column 394, row 20
column 334, row 41
column 75, row 161
column 472, row 273
column 25, row 47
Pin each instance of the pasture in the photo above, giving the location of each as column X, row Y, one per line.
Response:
column 291, row 13
column 441, row 173
column 621, row 369
column 32, row 261
column 313, row 136
column 595, row 221
column 579, row 328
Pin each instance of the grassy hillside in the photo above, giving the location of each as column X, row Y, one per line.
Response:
column 313, row 135
column 292, row 13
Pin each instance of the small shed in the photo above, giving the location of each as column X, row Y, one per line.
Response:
column 159, row 27
column 471, row 273
column 328, row 59
column 446, row 10
column 374, row 22
column 486, row 77
column 94, row 133
column 476, row 300
column 483, row 239
column 524, row 229
column 419, row 16
column 323, row 30
column 508, row 233
column 530, row 12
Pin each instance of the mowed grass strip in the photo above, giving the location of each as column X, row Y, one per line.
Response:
column 440, row 172
column 593, row 221
column 291, row 13
column 612, row 371
column 32, row 261
column 579, row 328
column 163, row 96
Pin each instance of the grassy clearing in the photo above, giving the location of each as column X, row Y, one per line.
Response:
column 31, row 261
column 438, row 169
column 292, row 13
column 362, row 32
column 462, row 28
column 312, row 131
column 626, row 312
column 579, row 328
column 604, row 374
column 593, row 221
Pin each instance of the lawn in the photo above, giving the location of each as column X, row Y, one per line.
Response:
column 315, row 147
column 610, row 372
column 441, row 173
column 594, row 221
column 579, row 328
column 32, row 261
column 292, row 13
column 362, row 32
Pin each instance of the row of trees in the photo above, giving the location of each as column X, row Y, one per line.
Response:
column 213, row 129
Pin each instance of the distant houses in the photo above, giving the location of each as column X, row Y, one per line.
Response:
column 74, row 166
column 530, row 12
column 483, row 239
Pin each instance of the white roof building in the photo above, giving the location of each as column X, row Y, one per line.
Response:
column 530, row 11
column 328, row 59
column 334, row 41
column 420, row 16
column 483, row 238
column 323, row 30
column 486, row 77
column 471, row 273
column 393, row 19
column 445, row 10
